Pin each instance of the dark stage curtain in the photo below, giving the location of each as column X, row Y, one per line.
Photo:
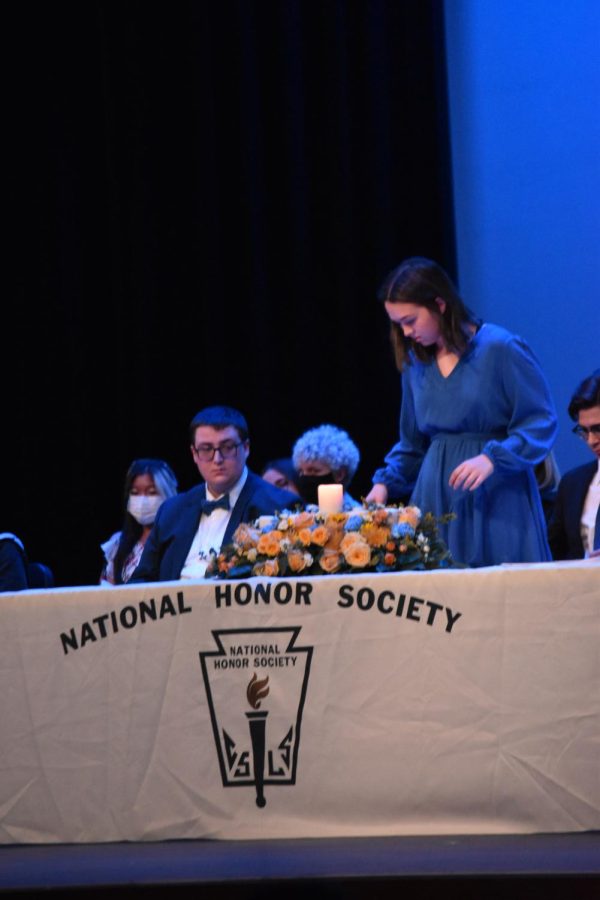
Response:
column 202, row 200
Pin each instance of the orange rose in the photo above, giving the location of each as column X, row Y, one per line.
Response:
column 358, row 554
column 320, row 535
column 330, row 561
column 245, row 536
column 225, row 565
column 380, row 517
column 390, row 545
column 296, row 560
column 271, row 568
column 268, row 568
column 376, row 535
column 303, row 520
column 389, row 559
column 269, row 543
column 410, row 514
column 305, row 536
column 350, row 538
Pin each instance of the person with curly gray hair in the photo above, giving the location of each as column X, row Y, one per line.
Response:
column 325, row 455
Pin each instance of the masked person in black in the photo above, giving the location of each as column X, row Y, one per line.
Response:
column 325, row 455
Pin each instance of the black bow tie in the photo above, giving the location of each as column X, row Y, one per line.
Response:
column 207, row 506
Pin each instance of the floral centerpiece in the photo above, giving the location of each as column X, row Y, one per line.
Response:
column 367, row 539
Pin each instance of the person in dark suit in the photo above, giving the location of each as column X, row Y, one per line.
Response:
column 13, row 563
column 574, row 529
column 16, row 572
column 190, row 526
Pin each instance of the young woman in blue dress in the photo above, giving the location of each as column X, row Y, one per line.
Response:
column 476, row 418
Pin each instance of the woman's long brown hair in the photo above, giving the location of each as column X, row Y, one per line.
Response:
column 421, row 281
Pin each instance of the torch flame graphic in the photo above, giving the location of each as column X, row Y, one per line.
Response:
column 257, row 690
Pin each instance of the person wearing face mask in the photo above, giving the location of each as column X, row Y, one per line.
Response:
column 325, row 455
column 148, row 483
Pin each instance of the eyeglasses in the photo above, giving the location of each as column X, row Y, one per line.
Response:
column 228, row 449
column 584, row 433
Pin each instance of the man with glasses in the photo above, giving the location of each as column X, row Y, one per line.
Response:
column 574, row 530
column 191, row 525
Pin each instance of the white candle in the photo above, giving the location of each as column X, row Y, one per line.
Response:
column 331, row 498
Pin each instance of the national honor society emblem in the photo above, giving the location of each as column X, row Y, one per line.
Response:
column 256, row 682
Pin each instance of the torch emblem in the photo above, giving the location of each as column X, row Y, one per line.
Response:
column 258, row 689
column 256, row 683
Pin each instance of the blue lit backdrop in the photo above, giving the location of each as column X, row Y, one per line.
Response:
column 524, row 91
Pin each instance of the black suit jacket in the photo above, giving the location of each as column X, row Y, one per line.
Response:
column 177, row 521
column 564, row 533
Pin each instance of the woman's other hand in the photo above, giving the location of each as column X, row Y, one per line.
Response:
column 377, row 494
column 471, row 473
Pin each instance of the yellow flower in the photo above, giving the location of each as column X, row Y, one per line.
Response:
column 336, row 518
column 358, row 554
column 375, row 535
column 330, row 561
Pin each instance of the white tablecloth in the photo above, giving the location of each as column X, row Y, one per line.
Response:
column 420, row 703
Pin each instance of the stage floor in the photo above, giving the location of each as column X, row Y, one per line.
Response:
column 464, row 865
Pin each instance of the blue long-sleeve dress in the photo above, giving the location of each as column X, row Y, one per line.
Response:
column 495, row 401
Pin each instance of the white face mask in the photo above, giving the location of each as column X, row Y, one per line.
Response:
column 144, row 509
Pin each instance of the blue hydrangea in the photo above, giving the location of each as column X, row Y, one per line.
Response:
column 353, row 523
column 270, row 526
column 402, row 529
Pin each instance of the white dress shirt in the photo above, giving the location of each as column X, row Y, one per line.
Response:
column 211, row 531
column 589, row 513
